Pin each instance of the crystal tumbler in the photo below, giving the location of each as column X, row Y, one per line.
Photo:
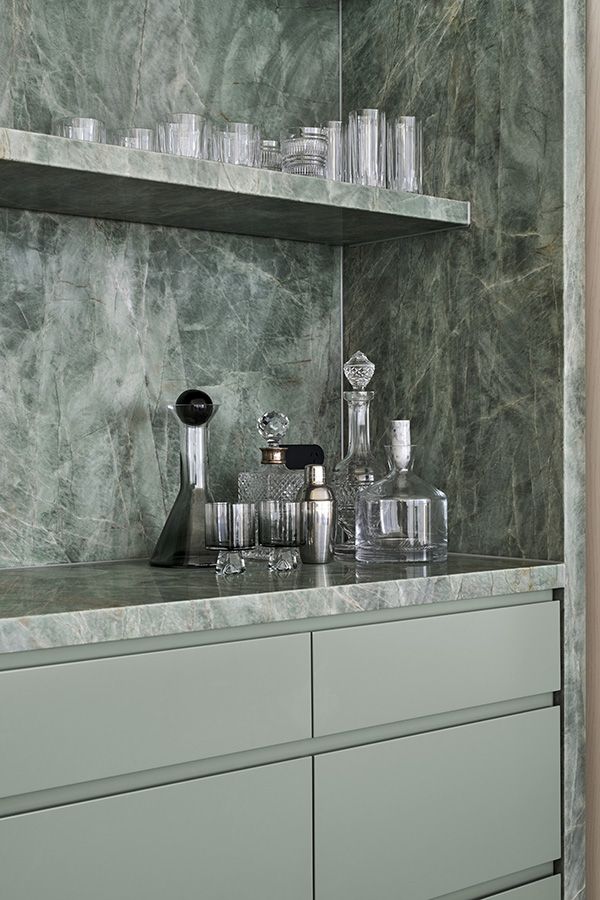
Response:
column 184, row 134
column 237, row 143
column 270, row 155
column 367, row 147
column 405, row 155
column 304, row 152
column 280, row 527
column 230, row 528
column 134, row 138
column 80, row 128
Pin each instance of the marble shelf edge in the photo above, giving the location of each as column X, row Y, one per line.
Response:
column 110, row 623
column 46, row 173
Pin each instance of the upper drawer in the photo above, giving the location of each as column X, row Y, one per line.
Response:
column 80, row 721
column 377, row 674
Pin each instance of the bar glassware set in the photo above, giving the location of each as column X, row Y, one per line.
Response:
column 367, row 151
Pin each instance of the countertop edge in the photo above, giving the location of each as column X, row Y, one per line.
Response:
column 92, row 626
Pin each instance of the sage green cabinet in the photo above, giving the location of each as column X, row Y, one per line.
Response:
column 80, row 721
column 240, row 836
column 376, row 674
column 428, row 815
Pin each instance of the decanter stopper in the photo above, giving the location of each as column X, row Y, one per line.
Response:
column 401, row 449
column 359, row 370
column 273, row 427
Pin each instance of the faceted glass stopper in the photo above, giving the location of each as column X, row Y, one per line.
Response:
column 359, row 370
column 273, row 427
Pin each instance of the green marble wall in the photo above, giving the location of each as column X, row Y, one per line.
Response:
column 466, row 328
column 102, row 323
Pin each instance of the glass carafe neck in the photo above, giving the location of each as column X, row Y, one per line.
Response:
column 359, row 435
column 194, row 456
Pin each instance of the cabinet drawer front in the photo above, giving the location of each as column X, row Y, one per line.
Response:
column 243, row 835
column 80, row 721
column 429, row 815
column 547, row 889
column 376, row 674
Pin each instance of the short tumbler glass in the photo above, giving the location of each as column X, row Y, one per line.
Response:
column 237, row 143
column 367, row 147
column 405, row 155
column 184, row 134
column 304, row 151
column 281, row 527
column 134, row 138
column 270, row 155
column 230, row 528
column 80, row 128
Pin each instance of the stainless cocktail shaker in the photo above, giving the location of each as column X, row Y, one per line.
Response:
column 318, row 512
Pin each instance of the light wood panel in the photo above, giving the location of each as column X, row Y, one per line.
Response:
column 593, row 448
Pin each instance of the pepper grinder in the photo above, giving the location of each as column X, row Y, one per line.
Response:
column 319, row 519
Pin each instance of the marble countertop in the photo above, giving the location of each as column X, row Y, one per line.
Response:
column 60, row 606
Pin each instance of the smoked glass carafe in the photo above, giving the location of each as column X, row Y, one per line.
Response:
column 183, row 539
column 401, row 518
column 358, row 468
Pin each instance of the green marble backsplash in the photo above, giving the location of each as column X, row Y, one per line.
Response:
column 466, row 328
column 102, row 323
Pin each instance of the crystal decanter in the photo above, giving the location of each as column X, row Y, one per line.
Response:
column 401, row 518
column 273, row 480
column 358, row 468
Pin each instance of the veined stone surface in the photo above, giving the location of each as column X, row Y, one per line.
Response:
column 103, row 323
column 465, row 329
column 72, row 605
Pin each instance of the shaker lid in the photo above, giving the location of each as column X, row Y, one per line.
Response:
column 314, row 474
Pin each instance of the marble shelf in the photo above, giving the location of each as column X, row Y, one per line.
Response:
column 60, row 606
column 46, row 173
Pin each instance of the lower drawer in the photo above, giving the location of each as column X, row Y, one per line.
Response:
column 241, row 836
column 438, row 813
column 81, row 721
column 546, row 889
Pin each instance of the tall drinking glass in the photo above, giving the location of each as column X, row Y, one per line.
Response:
column 405, row 155
column 367, row 147
column 335, row 150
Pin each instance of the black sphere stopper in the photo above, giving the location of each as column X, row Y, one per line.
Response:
column 194, row 407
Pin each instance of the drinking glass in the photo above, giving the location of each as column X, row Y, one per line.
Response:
column 80, row 128
column 230, row 529
column 134, row 138
column 280, row 527
column 335, row 151
column 367, row 147
column 184, row 134
column 238, row 143
column 304, row 151
column 270, row 155
column 405, row 155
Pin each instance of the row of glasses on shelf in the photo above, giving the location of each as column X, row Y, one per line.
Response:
column 367, row 150
column 231, row 529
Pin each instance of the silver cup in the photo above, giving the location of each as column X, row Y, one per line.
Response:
column 230, row 528
column 280, row 527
